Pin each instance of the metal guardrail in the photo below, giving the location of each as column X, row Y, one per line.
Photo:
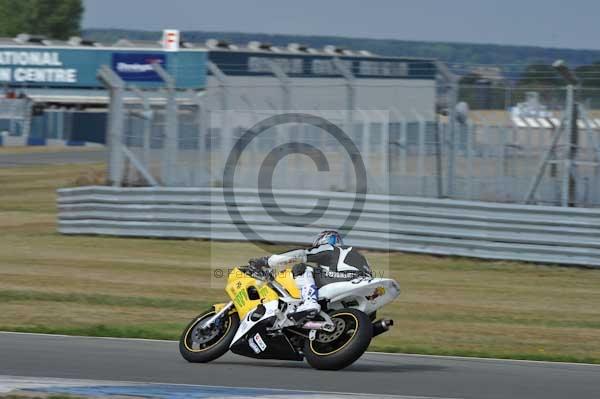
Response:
column 553, row 235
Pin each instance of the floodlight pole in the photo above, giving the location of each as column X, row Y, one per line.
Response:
column 569, row 123
column 569, row 191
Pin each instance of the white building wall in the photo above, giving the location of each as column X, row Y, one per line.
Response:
column 404, row 96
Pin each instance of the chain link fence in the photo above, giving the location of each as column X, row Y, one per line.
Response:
column 14, row 116
column 515, row 145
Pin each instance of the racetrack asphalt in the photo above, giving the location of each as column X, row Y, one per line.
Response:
column 38, row 355
column 53, row 158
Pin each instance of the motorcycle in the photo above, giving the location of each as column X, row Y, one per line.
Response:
column 259, row 321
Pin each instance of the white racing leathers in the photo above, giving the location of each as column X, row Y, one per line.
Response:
column 333, row 263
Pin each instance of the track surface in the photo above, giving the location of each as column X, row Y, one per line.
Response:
column 159, row 361
column 53, row 158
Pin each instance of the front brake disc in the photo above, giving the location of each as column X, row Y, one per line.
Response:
column 201, row 336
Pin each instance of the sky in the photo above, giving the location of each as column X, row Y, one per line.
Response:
column 547, row 23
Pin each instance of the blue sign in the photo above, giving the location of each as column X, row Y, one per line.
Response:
column 137, row 67
column 59, row 67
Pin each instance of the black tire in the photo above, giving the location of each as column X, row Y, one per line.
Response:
column 213, row 348
column 343, row 351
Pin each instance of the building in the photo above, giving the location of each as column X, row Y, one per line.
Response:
column 65, row 72
column 298, row 77
column 58, row 75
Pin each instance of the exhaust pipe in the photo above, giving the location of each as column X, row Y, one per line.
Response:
column 381, row 326
column 319, row 325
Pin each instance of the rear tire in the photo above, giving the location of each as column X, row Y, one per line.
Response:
column 341, row 348
column 197, row 346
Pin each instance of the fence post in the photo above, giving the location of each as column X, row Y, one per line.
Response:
column 171, row 144
column 421, row 152
column 469, row 128
column 223, row 83
column 451, row 81
column 570, row 182
column 346, row 72
column 404, row 147
column 573, row 145
column 385, row 151
column 366, row 139
column 114, row 135
column 285, row 81
column 543, row 163
column 401, row 144
column 147, row 129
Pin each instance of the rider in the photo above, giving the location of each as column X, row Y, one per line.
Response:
column 333, row 260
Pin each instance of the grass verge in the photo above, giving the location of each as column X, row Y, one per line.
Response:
column 149, row 288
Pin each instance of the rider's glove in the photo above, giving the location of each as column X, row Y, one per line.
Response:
column 260, row 266
column 260, row 263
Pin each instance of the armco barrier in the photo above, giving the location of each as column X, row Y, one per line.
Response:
column 554, row 235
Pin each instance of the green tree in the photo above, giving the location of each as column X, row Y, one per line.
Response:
column 546, row 81
column 589, row 78
column 536, row 75
column 589, row 75
column 56, row 19
column 481, row 93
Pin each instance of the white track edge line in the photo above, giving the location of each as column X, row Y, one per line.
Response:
column 229, row 387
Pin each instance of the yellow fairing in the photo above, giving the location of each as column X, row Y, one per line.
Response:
column 240, row 286
column 286, row 279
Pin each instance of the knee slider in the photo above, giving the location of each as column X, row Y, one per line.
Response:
column 299, row 269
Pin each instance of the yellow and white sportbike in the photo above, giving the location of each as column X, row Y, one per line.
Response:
column 259, row 320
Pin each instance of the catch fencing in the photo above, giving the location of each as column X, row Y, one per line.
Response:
column 551, row 235
column 20, row 123
column 15, row 116
column 530, row 152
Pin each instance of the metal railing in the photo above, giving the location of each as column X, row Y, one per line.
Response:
column 554, row 235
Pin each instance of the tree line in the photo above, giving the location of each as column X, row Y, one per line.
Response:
column 481, row 92
column 56, row 19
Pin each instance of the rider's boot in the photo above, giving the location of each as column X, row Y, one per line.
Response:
column 309, row 307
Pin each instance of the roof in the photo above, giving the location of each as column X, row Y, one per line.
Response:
column 212, row 45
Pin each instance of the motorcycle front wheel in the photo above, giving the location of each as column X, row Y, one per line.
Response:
column 201, row 345
column 342, row 347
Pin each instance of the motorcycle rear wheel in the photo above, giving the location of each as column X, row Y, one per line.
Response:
column 200, row 346
column 342, row 347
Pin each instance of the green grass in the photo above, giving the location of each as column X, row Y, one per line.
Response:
column 427, row 350
column 26, row 395
column 99, row 299
column 164, row 331
column 151, row 288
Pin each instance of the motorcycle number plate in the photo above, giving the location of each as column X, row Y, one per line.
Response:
column 259, row 341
